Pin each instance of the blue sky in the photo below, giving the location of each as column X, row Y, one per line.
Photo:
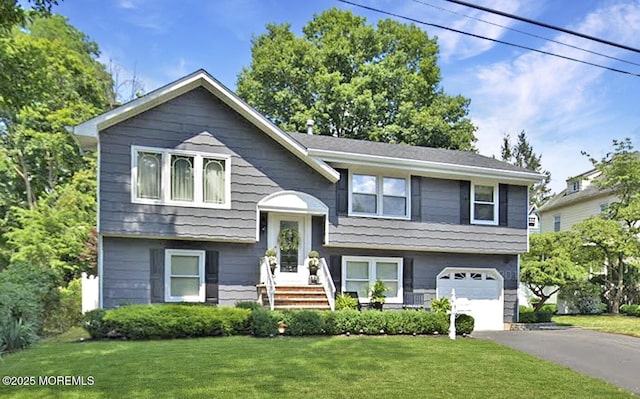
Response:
column 564, row 107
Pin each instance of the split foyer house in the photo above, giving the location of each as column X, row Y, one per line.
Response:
column 195, row 186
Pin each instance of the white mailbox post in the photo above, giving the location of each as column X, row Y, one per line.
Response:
column 452, row 315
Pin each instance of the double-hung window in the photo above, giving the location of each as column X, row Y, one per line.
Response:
column 184, row 275
column 359, row 274
column 484, row 204
column 379, row 195
column 184, row 178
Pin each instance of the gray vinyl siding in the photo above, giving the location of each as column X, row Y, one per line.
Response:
column 365, row 232
column 427, row 266
column 126, row 269
column 518, row 207
column 197, row 121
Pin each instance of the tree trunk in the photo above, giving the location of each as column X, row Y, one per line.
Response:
column 26, row 176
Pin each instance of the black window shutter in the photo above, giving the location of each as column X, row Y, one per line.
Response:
column 156, row 275
column 465, row 202
column 407, row 274
column 211, row 271
column 416, row 198
column 335, row 268
column 503, row 202
column 342, row 192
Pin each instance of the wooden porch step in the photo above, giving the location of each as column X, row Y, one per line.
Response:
column 297, row 297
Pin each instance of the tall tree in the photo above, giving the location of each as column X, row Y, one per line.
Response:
column 380, row 83
column 550, row 264
column 612, row 238
column 12, row 13
column 521, row 154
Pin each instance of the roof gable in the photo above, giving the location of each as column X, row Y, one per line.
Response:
column 87, row 132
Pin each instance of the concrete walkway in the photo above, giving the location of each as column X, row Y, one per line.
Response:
column 609, row 357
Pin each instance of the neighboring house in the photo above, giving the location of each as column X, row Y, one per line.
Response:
column 195, row 186
column 579, row 201
column 533, row 220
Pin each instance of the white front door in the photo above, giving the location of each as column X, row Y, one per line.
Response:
column 291, row 262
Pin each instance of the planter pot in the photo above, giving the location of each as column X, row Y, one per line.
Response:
column 313, row 271
column 313, row 279
column 376, row 305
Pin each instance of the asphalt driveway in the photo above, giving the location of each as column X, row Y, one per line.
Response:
column 610, row 357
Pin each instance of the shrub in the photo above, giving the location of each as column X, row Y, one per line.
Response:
column 550, row 308
column 424, row 322
column 582, row 298
column 264, row 322
column 393, row 322
column 348, row 321
column 346, row 302
column 69, row 311
column 373, row 322
column 630, row 310
column 176, row 321
column 442, row 305
column 329, row 326
column 251, row 305
column 17, row 335
column 528, row 315
column 93, row 322
column 303, row 322
column 464, row 324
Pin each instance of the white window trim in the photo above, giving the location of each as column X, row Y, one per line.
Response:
column 496, row 203
column 379, row 194
column 371, row 260
column 167, row 275
column 165, row 183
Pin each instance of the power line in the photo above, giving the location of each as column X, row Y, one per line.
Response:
column 545, row 25
column 527, row 33
column 487, row 38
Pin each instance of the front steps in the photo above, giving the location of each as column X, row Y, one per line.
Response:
column 296, row 297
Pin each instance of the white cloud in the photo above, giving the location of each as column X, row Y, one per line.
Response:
column 127, row 4
column 178, row 70
column 563, row 106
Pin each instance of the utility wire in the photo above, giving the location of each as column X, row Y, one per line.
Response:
column 526, row 33
column 487, row 38
column 545, row 25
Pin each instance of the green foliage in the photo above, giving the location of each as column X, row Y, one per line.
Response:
column 348, row 321
column 16, row 335
column 68, row 312
column 464, row 324
column 379, row 83
column 393, row 322
column 630, row 310
column 93, row 322
column 582, row 298
column 521, row 154
column 377, row 292
column 251, row 305
column 346, row 302
column 442, row 305
column 550, row 308
column 303, row 322
column 415, row 322
column 550, row 262
column 176, row 321
column 288, row 239
column 264, row 322
column 373, row 322
column 529, row 315
column 270, row 252
column 13, row 14
column 313, row 254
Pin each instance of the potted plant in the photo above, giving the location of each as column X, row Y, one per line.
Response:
column 271, row 259
column 377, row 295
column 313, row 265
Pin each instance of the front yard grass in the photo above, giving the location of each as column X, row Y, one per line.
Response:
column 627, row 325
column 317, row 367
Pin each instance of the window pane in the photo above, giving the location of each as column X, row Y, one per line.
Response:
column 394, row 206
column 357, row 270
column 483, row 193
column 181, row 178
column 364, row 184
column 184, row 265
column 213, row 181
column 394, row 186
column 149, row 175
column 181, row 286
column 393, row 289
column 386, row 271
column 365, row 203
column 361, row 287
column 483, row 211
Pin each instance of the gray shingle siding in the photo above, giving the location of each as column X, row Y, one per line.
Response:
column 196, row 121
column 440, row 200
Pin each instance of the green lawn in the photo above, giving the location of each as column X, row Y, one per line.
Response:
column 333, row 367
column 627, row 325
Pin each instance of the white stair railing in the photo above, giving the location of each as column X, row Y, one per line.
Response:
column 327, row 282
column 270, row 283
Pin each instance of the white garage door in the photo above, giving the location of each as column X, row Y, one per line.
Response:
column 480, row 294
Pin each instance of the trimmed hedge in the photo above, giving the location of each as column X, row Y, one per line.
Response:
column 528, row 315
column 167, row 321
column 464, row 324
column 630, row 310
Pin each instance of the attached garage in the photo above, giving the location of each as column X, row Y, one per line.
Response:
column 480, row 293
